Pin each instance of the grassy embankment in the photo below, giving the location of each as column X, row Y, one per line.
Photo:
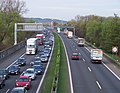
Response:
column 57, row 75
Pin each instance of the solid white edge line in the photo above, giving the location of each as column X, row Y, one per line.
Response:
column 111, row 71
column 70, row 76
column 7, row 91
column 89, row 69
column 15, row 61
column 108, row 68
column 98, row 84
column 40, row 84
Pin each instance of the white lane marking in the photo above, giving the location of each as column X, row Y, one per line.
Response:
column 7, row 91
column 89, row 69
column 108, row 68
column 87, row 49
column 15, row 61
column 76, row 49
column 83, row 59
column 40, row 84
column 98, row 84
column 79, row 53
column 69, row 69
column 111, row 71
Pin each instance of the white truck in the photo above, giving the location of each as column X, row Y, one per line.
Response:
column 70, row 34
column 96, row 55
column 32, row 46
column 58, row 30
column 81, row 41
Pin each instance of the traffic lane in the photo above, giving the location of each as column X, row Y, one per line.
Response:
column 108, row 82
column 80, row 73
column 10, row 82
column 106, row 62
column 13, row 78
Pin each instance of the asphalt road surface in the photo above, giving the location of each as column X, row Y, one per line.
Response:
column 10, row 83
column 88, row 77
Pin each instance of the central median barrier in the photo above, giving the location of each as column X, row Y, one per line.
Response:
column 57, row 78
column 7, row 52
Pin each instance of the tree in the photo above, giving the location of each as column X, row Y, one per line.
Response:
column 10, row 13
column 93, row 32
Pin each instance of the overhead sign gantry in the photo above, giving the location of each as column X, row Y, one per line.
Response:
column 26, row 27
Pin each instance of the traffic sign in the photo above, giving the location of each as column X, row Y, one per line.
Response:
column 114, row 49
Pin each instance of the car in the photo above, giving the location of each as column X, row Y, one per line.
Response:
column 47, row 53
column 30, row 72
column 44, row 58
column 37, row 63
column 19, row 90
column 2, row 82
column 36, row 59
column 75, row 56
column 23, row 81
column 48, row 47
column 4, row 73
column 49, row 42
column 14, row 69
column 38, row 69
column 40, row 53
column 21, row 62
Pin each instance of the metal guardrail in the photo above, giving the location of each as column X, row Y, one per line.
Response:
column 11, row 50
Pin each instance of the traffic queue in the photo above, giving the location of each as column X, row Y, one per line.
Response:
column 36, row 66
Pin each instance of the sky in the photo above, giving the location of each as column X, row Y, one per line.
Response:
column 68, row 9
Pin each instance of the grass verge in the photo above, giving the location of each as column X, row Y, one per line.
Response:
column 47, row 83
column 63, row 78
column 63, row 82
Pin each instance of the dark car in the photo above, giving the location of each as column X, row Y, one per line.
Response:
column 75, row 56
column 4, row 73
column 2, row 82
column 47, row 53
column 21, row 62
column 44, row 58
column 49, row 42
column 48, row 47
column 36, row 59
column 14, row 69
column 40, row 53
column 37, row 63
column 38, row 69
column 19, row 90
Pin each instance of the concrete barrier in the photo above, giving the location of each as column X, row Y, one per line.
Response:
column 6, row 52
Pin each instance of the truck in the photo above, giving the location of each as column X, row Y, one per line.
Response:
column 40, row 38
column 58, row 30
column 96, row 55
column 31, row 47
column 80, row 41
column 70, row 34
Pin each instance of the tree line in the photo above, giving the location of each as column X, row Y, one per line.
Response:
column 103, row 32
column 11, row 12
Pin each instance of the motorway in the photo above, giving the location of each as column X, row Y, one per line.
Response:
column 88, row 77
column 7, row 62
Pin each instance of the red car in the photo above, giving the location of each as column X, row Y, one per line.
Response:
column 23, row 81
column 75, row 56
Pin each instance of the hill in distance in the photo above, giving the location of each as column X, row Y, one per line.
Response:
column 45, row 20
